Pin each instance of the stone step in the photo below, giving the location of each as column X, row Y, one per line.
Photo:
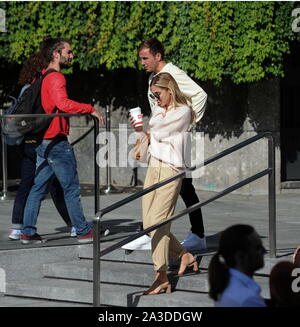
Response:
column 117, row 295
column 125, row 273
column 86, row 252
column 15, row 301
column 265, row 271
column 136, row 274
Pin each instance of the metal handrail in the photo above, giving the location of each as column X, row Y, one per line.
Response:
column 96, row 146
column 272, row 206
column 81, row 137
column 185, row 212
column 153, row 187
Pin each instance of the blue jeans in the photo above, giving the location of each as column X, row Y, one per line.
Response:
column 55, row 158
column 28, row 165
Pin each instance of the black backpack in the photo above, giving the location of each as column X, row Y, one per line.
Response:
column 29, row 102
column 11, row 135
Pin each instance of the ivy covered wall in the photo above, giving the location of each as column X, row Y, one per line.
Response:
column 242, row 41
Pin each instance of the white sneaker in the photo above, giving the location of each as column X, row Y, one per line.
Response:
column 105, row 232
column 141, row 243
column 15, row 234
column 194, row 243
column 73, row 232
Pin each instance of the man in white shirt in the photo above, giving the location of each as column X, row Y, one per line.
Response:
column 151, row 53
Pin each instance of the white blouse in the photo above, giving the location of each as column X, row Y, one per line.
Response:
column 169, row 134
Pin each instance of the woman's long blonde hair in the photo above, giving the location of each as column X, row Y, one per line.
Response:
column 167, row 81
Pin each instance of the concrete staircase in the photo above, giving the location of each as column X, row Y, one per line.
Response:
column 123, row 280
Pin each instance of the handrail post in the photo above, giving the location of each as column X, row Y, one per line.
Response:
column 108, row 135
column 96, row 238
column 4, row 193
column 272, row 197
column 108, row 188
column 96, row 263
column 4, row 165
column 96, row 166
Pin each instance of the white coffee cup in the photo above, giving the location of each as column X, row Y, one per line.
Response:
column 136, row 114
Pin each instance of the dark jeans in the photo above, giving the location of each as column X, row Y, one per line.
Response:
column 189, row 197
column 28, row 167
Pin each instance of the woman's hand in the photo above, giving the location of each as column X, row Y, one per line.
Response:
column 132, row 121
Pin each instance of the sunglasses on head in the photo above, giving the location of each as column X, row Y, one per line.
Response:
column 155, row 95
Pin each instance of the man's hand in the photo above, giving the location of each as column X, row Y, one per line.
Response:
column 99, row 116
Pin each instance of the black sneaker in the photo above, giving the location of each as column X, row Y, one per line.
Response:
column 25, row 239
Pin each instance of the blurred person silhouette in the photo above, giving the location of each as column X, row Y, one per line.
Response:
column 280, row 283
column 31, row 70
column 231, row 269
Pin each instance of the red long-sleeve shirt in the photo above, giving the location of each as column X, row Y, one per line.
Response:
column 54, row 95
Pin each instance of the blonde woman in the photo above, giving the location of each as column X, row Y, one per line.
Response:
column 171, row 118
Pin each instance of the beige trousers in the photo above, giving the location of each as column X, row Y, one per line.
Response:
column 158, row 206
